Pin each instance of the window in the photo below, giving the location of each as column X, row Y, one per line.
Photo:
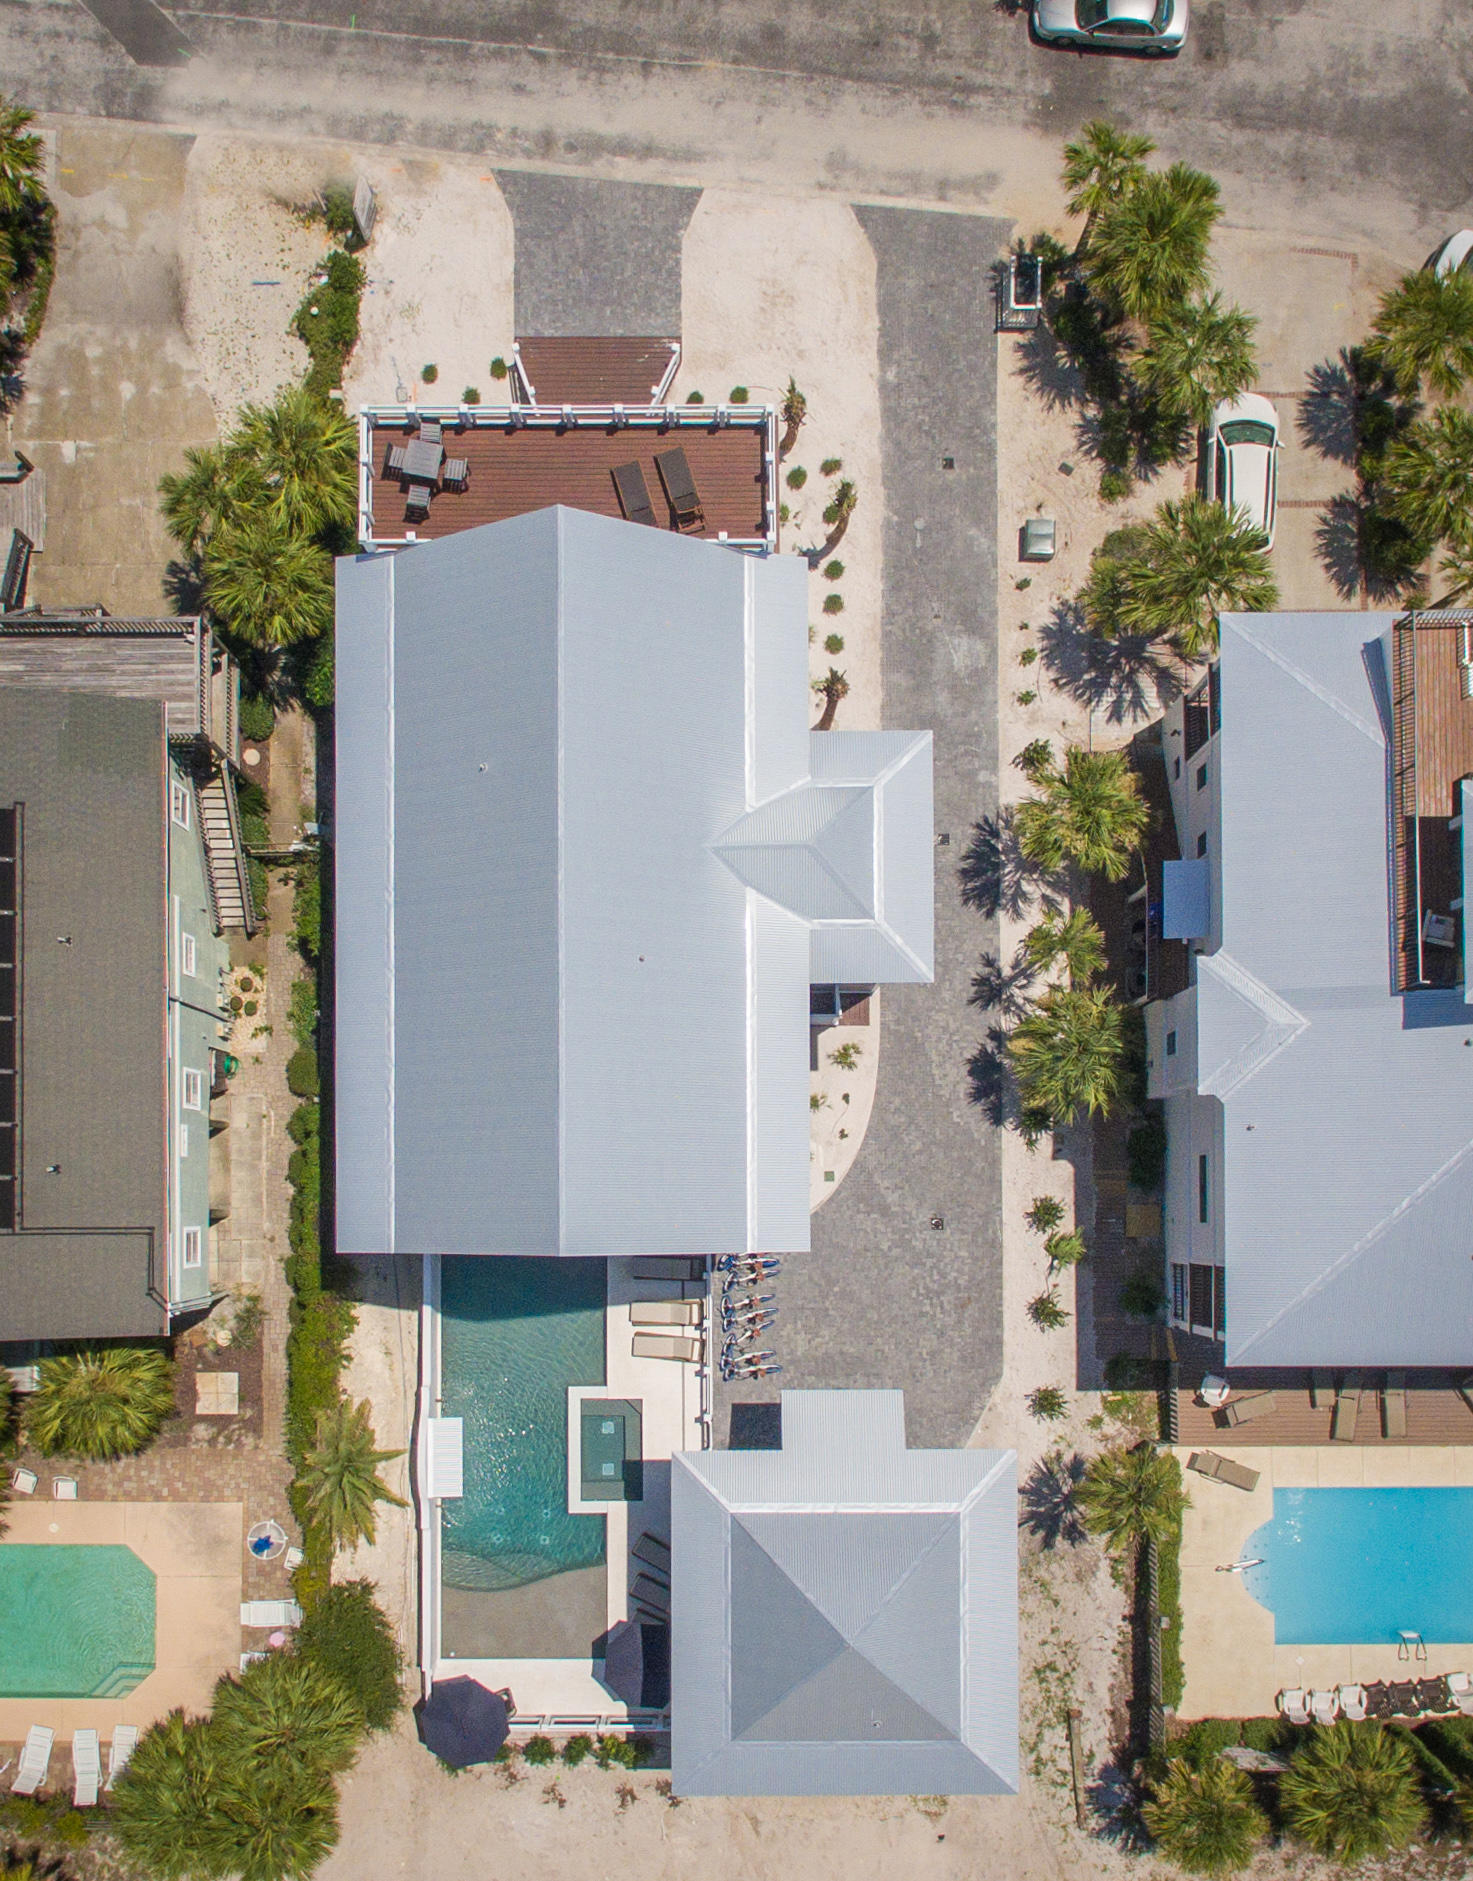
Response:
column 179, row 802
column 187, row 954
column 1202, row 777
column 1203, row 1191
column 194, row 1090
column 1201, row 1298
column 1202, row 844
column 1171, row 1044
column 184, row 1139
column 1179, row 1292
column 194, row 1246
column 1176, row 767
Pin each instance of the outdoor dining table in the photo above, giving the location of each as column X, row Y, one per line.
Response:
column 422, row 461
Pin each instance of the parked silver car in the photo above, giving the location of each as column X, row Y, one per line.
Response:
column 1157, row 26
column 1243, row 460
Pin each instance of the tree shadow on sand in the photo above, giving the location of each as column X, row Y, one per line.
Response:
column 1327, row 412
column 1050, row 1500
column 1125, row 679
column 1049, row 372
column 1365, row 551
column 995, row 876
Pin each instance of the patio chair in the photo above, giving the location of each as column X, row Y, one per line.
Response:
column 661, row 1345
column 456, row 474
column 34, row 1760
column 417, row 502
column 270, row 1613
column 1352, row 1701
column 23, row 1481
column 1394, row 1405
column 634, row 495
column 1244, row 1410
column 1292, row 1706
column 125, row 1742
column 86, row 1768
column 431, row 432
column 654, row 1552
column 1321, row 1391
column 1347, row 1410
column 667, row 1312
column 394, row 463
column 64, row 1488
column 1323, row 1707
column 680, row 488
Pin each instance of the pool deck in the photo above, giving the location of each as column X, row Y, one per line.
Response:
column 195, row 1551
column 1233, row 1667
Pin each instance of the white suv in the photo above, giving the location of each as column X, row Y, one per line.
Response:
column 1243, row 460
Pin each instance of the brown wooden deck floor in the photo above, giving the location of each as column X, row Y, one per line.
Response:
column 1433, row 728
column 594, row 371
column 1435, row 1414
column 515, row 472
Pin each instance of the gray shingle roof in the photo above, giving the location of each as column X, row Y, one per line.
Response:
column 586, row 847
column 844, row 1611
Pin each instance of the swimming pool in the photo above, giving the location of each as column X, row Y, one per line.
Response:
column 514, row 1334
column 75, row 1622
column 1357, row 1566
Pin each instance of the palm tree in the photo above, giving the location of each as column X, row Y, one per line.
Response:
column 1066, row 1053
column 1100, row 167
column 1148, row 251
column 1424, row 331
column 212, row 488
column 1457, row 572
column 1075, row 938
column 1352, row 1793
column 100, row 1404
column 1428, row 474
column 1197, row 353
column 1196, row 561
column 164, row 1800
column 1065, row 1247
column 1131, row 1496
column 340, row 1481
column 794, row 411
column 20, row 159
column 268, row 586
column 1091, row 813
column 285, row 1706
column 1206, row 1820
column 305, row 453
column 1046, row 1214
column 837, row 514
column 274, row 1822
column 834, row 687
column 1045, row 1311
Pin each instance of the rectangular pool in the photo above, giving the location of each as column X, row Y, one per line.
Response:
column 75, row 1621
column 1357, row 1566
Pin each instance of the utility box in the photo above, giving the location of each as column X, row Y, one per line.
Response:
column 1037, row 543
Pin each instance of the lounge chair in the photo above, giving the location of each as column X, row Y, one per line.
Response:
column 64, row 1488
column 659, row 1267
column 248, row 1659
column 661, row 1345
column 270, row 1613
column 34, row 1760
column 1434, row 1696
column 23, row 1481
column 1322, row 1707
column 1244, row 1410
column 86, row 1768
column 1404, row 1700
column 680, row 488
column 1378, row 1700
column 456, row 474
column 650, row 1549
column 1292, row 1706
column 1347, row 1409
column 1222, row 1469
column 1394, row 1405
column 651, row 1593
column 125, row 1742
column 1460, row 1690
column 1352, row 1701
column 1321, row 1391
column 634, row 495
column 417, row 502
column 667, row 1312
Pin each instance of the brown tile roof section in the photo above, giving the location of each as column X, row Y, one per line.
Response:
column 515, row 472
column 594, row 371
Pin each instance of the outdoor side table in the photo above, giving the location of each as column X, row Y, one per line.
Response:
column 266, row 1540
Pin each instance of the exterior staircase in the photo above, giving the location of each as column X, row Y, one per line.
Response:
column 230, row 888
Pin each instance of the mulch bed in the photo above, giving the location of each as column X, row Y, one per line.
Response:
column 186, row 1431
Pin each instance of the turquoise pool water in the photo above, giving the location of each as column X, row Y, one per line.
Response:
column 514, row 1335
column 75, row 1622
column 1354, row 1567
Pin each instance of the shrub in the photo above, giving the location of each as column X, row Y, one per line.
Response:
column 1046, row 1214
column 237, row 1004
column 1028, row 656
column 286, row 1705
column 429, row 374
column 784, row 514
column 245, row 1328
column 100, row 1403
column 539, row 1750
column 833, row 643
column 576, row 1749
column 1203, row 1740
column 257, row 718
column 1141, row 1296
column 1065, row 1247
column 1048, row 1403
column 41, row 1819
column 301, row 1072
column 348, row 1636
column 1026, row 697
column 1145, row 1151
column 307, row 909
column 1033, row 760
column 797, row 477
column 337, row 210
column 833, row 571
column 327, row 321
column 695, row 398
column 319, row 679
column 1115, row 484
column 471, row 395
column 846, row 1056
column 252, row 1007
column 1263, row 1733
column 301, row 1009
column 305, row 1123
column 1045, row 1311
column 831, row 466
column 739, row 395
column 833, row 604
column 622, row 1751
column 260, row 883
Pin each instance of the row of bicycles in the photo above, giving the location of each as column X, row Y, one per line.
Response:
column 748, row 1315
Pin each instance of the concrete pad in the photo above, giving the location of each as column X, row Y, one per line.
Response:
column 1343, row 1466
column 1302, row 297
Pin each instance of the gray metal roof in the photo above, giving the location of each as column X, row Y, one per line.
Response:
column 90, row 772
column 586, row 845
column 844, row 1611
column 1348, row 1111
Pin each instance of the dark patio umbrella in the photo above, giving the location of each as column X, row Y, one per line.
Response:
column 461, row 1722
column 637, row 1664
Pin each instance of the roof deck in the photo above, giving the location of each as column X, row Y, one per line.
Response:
column 1432, row 751
column 595, row 371
column 526, row 458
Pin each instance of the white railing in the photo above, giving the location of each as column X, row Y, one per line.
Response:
column 427, row 1407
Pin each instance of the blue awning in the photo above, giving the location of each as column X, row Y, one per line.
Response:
column 1184, row 899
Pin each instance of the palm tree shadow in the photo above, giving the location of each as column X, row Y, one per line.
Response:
column 1125, row 679
column 1327, row 412
column 1002, row 988
column 184, row 584
column 1048, row 371
column 995, row 876
column 990, row 1080
column 1363, row 551
column 1337, row 544
column 1050, row 1501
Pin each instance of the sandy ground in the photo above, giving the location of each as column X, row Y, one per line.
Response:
column 847, row 1097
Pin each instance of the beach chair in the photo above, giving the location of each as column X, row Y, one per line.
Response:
column 634, row 495
column 456, row 474
column 1378, row 1700
column 1404, row 1700
column 23, row 1481
column 1465, row 1392
column 660, row 1345
column 1460, row 1690
column 125, row 1742
column 1434, row 1696
column 270, row 1613
column 86, row 1768
column 1222, row 1469
column 1394, row 1405
column 651, row 1593
column 1292, row 1705
column 680, row 488
column 1323, row 1707
column 667, row 1312
column 1321, row 1391
column 1347, row 1409
column 653, row 1552
column 34, row 1760
column 64, row 1488
column 1352, row 1701
column 1244, row 1410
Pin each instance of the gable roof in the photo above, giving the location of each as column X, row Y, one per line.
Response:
column 846, row 1620
column 1347, row 1110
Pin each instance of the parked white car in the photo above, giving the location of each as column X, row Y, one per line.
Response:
column 1243, row 459
column 1456, row 252
column 1158, row 26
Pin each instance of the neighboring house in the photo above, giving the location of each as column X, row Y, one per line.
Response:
column 845, row 1621
column 110, row 1022
column 590, row 859
column 1315, row 1072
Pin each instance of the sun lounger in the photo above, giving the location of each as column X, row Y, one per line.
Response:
column 1292, row 1706
column 634, row 495
column 1321, row 1391
column 662, row 1345
column 1378, row 1700
column 651, row 1593
column 64, row 1488
column 270, row 1613
column 1244, row 1410
column 667, row 1312
column 86, row 1768
column 649, row 1548
column 248, row 1659
column 1404, row 1700
column 1352, row 1701
column 125, row 1742
column 1434, row 1696
column 34, row 1760
column 23, row 1481
column 1222, row 1469
column 1322, row 1707
column 1394, row 1405
column 1347, row 1409
column 680, row 488
column 658, row 1267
